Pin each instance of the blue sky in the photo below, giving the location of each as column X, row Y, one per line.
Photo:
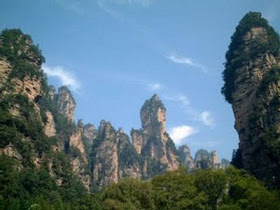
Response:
column 115, row 54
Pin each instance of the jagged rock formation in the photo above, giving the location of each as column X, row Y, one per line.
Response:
column 66, row 103
column 113, row 157
column 214, row 159
column 204, row 160
column 152, row 141
column 38, row 130
column 90, row 132
column 51, row 92
column 185, row 157
column 32, row 131
column 252, row 86
column 79, row 158
column 225, row 163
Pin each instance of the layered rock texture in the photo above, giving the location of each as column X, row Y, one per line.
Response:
column 252, row 86
column 66, row 103
column 152, row 142
column 185, row 157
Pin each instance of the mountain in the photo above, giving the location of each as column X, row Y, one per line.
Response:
column 39, row 134
column 252, row 87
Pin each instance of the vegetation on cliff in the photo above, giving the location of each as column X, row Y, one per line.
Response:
column 237, row 56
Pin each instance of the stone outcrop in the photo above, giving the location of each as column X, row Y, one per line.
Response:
column 215, row 162
column 5, row 70
column 79, row 158
column 113, row 157
column 66, row 103
column 49, row 128
column 51, row 92
column 186, row 159
column 225, row 163
column 152, row 141
column 204, row 159
column 90, row 132
column 252, row 86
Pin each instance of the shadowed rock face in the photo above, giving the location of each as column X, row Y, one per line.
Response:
column 254, row 96
column 204, row 160
column 90, row 132
column 185, row 157
column 66, row 103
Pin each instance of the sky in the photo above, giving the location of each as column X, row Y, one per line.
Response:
column 115, row 54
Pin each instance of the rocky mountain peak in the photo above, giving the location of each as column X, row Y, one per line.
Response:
column 90, row 132
column 66, row 103
column 252, row 87
column 153, row 116
column 185, row 157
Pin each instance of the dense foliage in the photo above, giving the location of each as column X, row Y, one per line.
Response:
column 237, row 56
column 203, row 189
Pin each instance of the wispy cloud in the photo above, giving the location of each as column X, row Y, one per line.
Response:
column 64, row 76
column 207, row 119
column 180, row 133
column 178, row 98
column 72, row 5
column 155, row 86
column 143, row 3
column 186, row 61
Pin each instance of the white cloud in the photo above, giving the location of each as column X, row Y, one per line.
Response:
column 207, row 119
column 186, row 61
column 155, row 86
column 178, row 134
column 204, row 117
column 65, row 77
column 179, row 98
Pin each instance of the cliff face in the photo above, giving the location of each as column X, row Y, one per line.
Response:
column 41, row 138
column 185, row 157
column 113, row 157
column 252, row 86
column 152, row 141
column 204, row 160
column 90, row 132
column 79, row 157
column 66, row 103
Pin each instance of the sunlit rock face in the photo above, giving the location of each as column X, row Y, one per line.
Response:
column 152, row 141
column 114, row 157
column 186, row 159
column 49, row 127
column 79, row 157
column 66, row 103
column 254, row 96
